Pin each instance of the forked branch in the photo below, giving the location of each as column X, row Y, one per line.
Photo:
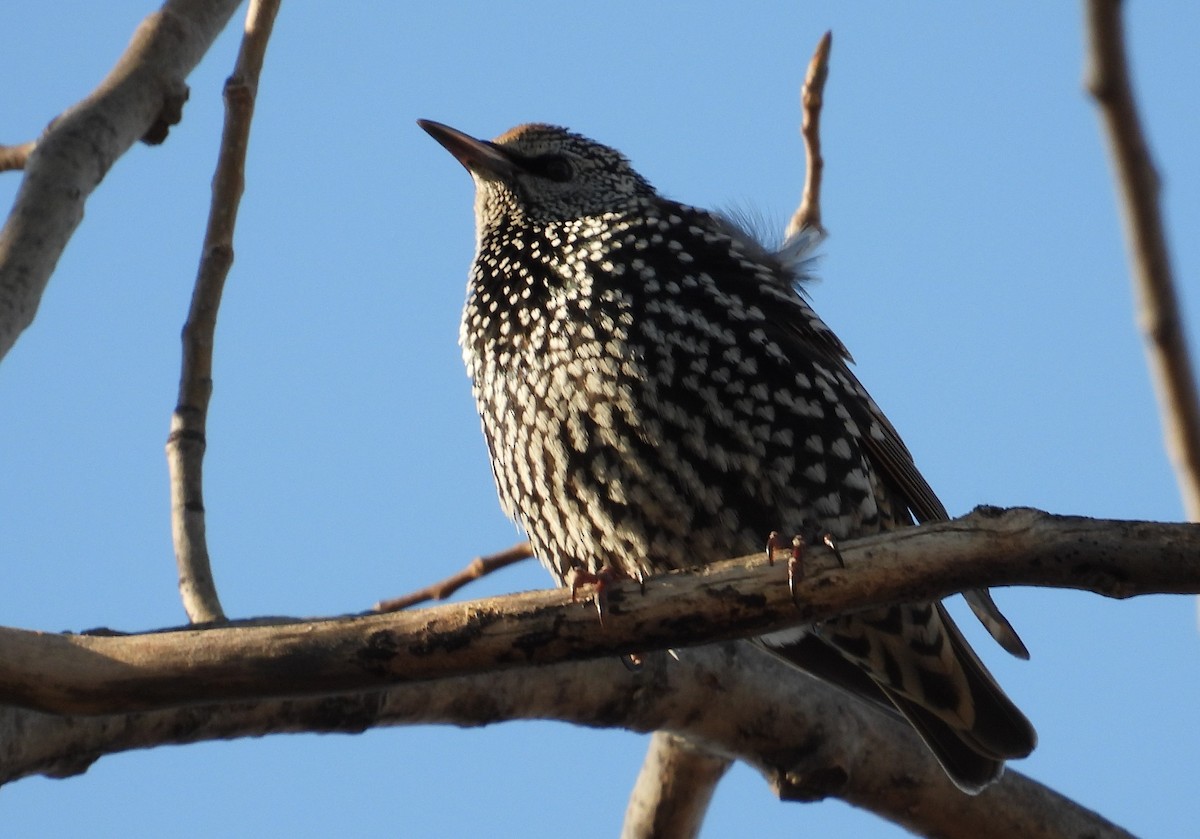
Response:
column 140, row 96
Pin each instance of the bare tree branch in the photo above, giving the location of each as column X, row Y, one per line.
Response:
column 803, row 735
column 1158, row 305
column 806, row 738
column 480, row 566
column 812, row 98
column 90, row 674
column 673, row 790
column 14, row 157
column 188, row 438
column 140, row 96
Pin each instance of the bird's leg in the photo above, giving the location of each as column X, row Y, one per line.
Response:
column 772, row 545
column 796, row 560
column 601, row 579
column 634, row 661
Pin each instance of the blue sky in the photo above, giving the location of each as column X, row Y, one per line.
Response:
column 974, row 268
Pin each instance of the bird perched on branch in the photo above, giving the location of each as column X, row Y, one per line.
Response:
column 657, row 394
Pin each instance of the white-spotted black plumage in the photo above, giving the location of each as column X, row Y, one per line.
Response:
column 655, row 394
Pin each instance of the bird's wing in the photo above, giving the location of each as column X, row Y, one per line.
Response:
column 900, row 472
column 804, row 330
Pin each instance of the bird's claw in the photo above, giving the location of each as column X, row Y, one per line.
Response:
column 633, row 662
column 796, row 559
column 601, row 579
column 828, row 540
column 796, row 566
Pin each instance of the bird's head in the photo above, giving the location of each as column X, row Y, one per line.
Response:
column 539, row 173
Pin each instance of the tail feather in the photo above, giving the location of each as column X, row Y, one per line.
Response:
column 993, row 620
column 969, row 768
column 916, row 660
column 999, row 726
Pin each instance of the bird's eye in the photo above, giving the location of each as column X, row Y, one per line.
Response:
column 556, row 168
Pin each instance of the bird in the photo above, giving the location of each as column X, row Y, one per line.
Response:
column 657, row 393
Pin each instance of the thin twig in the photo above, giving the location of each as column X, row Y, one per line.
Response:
column 14, row 157
column 812, row 97
column 187, row 440
column 480, row 566
column 1158, row 306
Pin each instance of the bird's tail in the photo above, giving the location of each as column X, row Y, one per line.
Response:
column 915, row 658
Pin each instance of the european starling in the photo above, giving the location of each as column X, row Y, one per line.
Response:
column 656, row 393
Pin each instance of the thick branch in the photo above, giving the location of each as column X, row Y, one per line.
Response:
column 138, row 99
column 188, row 438
column 105, row 674
column 673, row 789
column 803, row 735
column 1158, row 304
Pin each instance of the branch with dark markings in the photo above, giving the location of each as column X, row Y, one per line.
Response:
column 800, row 733
column 472, row 664
column 86, row 674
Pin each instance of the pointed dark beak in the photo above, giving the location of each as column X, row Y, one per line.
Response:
column 479, row 156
